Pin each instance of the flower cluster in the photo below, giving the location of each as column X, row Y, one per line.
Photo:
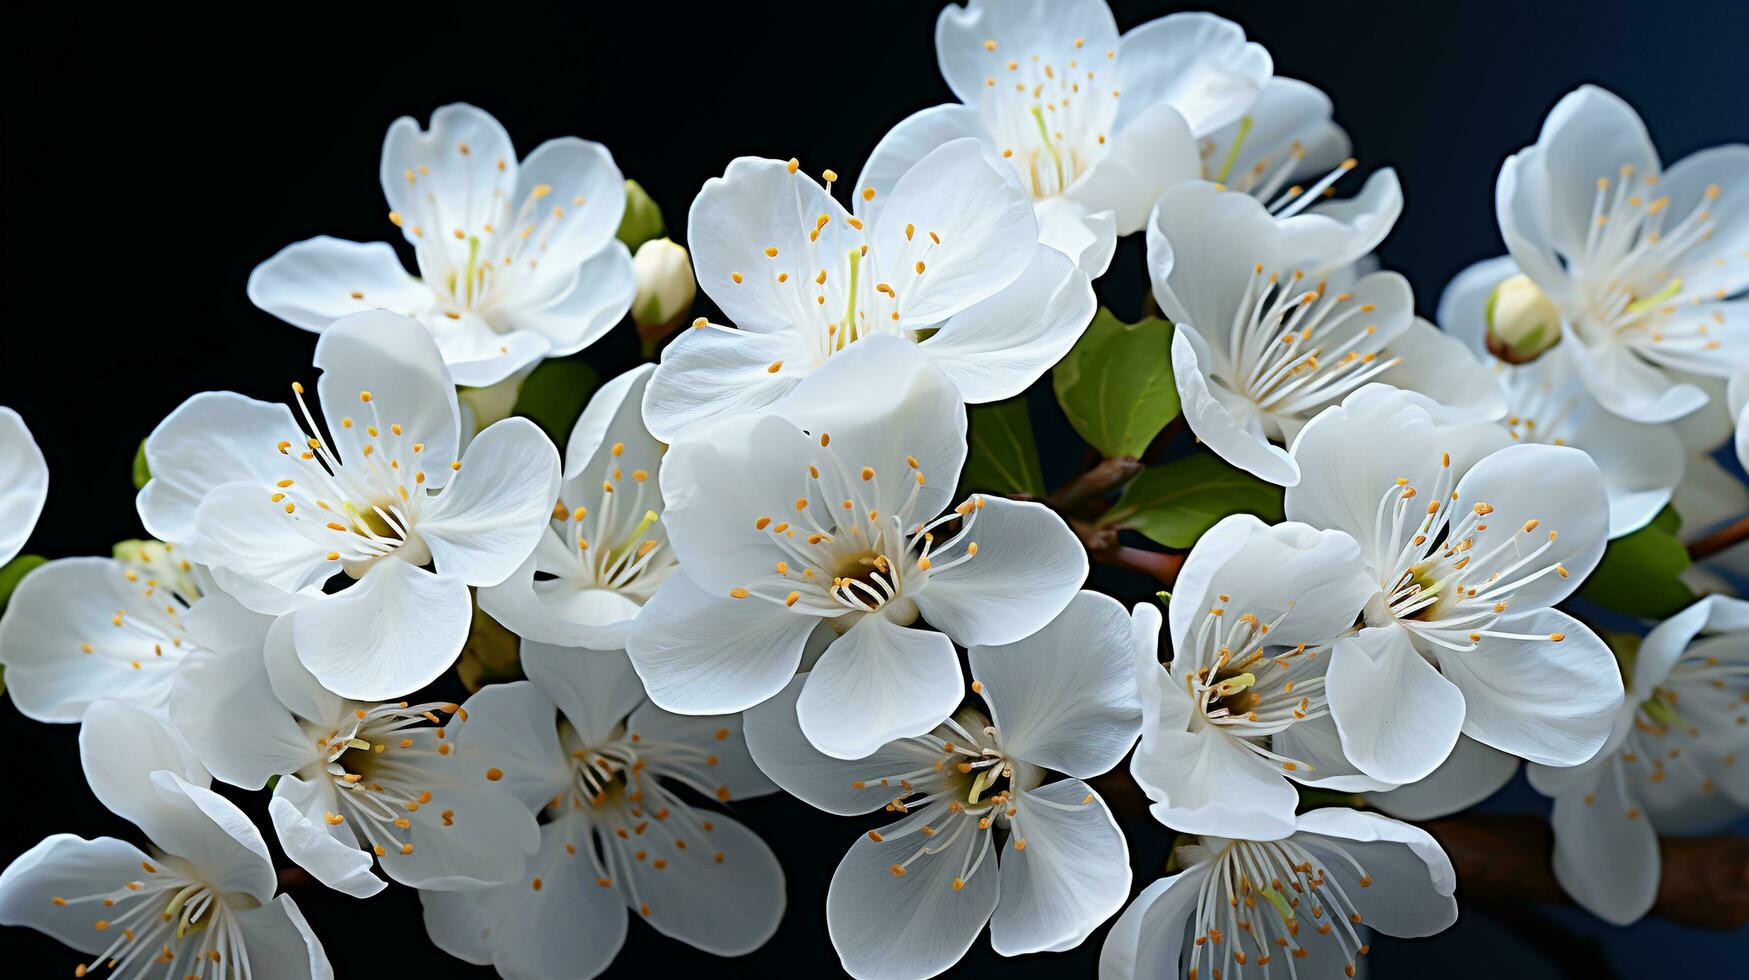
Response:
column 807, row 552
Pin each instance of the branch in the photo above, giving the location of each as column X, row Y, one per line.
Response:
column 1107, row 474
column 1724, row 537
column 1103, row 546
column 1506, row 860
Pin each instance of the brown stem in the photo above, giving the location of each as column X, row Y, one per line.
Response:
column 1108, row 473
column 1103, row 546
column 1724, row 537
column 1505, row 860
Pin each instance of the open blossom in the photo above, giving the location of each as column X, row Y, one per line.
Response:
column 1268, row 331
column 1304, row 903
column 1242, row 708
column 982, row 836
column 517, row 261
column 832, row 508
column 79, row 630
column 356, row 783
column 1470, row 540
column 24, row 484
column 1641, row 262
column 1093, row 126
column 946, row 246
column 199, row 904
column 276, row 510
column 1547, row 401
column 606, row 550
column 617, row 831
column 1671, row 765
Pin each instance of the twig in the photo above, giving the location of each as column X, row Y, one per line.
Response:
column 1724, row 537
column 1103, row 546
column 1107, row 474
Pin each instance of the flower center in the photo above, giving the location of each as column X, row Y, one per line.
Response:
column 378, row 770
column 1448, row 573
column 1283, row 348
column 1625, row 267
column 618, row 544
column 362, row 501
column 1248, row 687
column 1257, row 899
column 169, row 586
column 1655, row 748
column 1266, row 178
column 1050, row 111
column 170, row 920
column 843, row 556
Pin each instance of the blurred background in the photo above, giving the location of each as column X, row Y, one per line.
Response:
column 149, row 160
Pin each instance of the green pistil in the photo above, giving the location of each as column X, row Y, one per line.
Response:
column 1038, row 116
column 1276, row 899
column 850, row 303
column 1661, row 296
column 473, row 256
column 1233, row 151
column 985, row 778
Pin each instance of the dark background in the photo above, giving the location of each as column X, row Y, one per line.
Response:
column 151, row 159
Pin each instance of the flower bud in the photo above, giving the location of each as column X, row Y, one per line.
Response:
column 1522, row 321
column 665, row 289
column 643, row 219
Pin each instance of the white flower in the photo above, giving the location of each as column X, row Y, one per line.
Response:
column 1265, row 337
column 1472, row 773
column 1641, row 261
column 946, row 246
column 201, row 902
column 909, row 899
column 1471, row 541
column 79, row 630
column 606, row 549
column 1242, row 708
column 826, row 510
column 1093, row 126
column 354, row 779
column 616, row 833
column 1548, row 402
column 665, row 285
column 276, row 511
column 516, row 261
column 24, row 484
column 1304, row 903
column 1675, row 763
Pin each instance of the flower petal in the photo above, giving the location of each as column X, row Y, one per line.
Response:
column 1198, row 63
column 1606, row 851
column 1064, row 698
column 313, row 283
column 1027, row 568
column 120, row 747
column 724, row 895
column 709, row 654
column 1072, row 875
column 224, row 706
column 595, row 691
column 1147, row 939
column 876, row 683
column 64, row 865
column 912, row 139
column 394, row 359
column 513, row 728
column 712, row 372
column 1228, row 424
column 673, row 742
column 1471, row 774
column 487, row 521
column 1553, row 490
column 211, row 439
column 392, row 632
column 1409, row 879
column 1150, row 153
column 340, row 864
column 963, row 37
column 1398, row 717
column 999, row 347
column 24, row 483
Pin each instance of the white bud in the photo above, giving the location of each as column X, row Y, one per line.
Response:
column 1522, row 321
column 666, row 287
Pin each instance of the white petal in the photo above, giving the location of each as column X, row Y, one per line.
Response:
column 513, row 728
column 211, row 439
column 1606, row 851
column 486, row 522
column 1229, row 424
column 1147, row 939
column 224, row 706
column 967, row 60
column 64, row 605
column 591, row 303
column 211, row 833
column 892, row 927
column 1590, row 133
column 1627, row 385
column 1368, row 216
column 1560, row 488
column 876, row 683
column 912, row 139
column 672, row 742
column 1150, row 153
column 473, row 833
column 1027, row 568
column 1545, row 701
column 1438, row 365
column 578, row 184
column 24, row 483
column 594, row 690
column 240, row 531
column 394, row 359
column 390, row 633
column 65, row 865
column 1086, row 239
column 1073, row 874
column 313, row 283
column 1470, row 775
column 711, row 372
column 455, row 176
column 1207, row 782
column 120, row 747
column 1463, row 305
column 281, row 944
column 1411, row 878
column 340, row 864
column 1398, row 717
column 706, row 654
column 1197, row 63
column 775, row 739
column 1064, row 698
column 476, row 355
column 614, row 415
column 999, row 347
column 727, row 907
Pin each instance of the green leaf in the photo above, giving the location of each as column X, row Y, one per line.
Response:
column 1002, row 456
column 13, row 571
column 142, row 472
column 642, row 220
column 1175, row 503
column 1639, row 573
column 1667, row 520
column 554, row 393
column 1116, row 383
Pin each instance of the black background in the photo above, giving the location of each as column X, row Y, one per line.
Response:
column 151, row 159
